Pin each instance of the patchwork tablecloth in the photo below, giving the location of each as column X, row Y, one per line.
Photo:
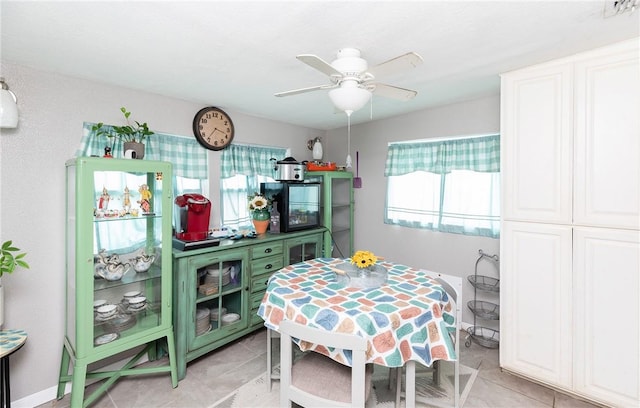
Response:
column 407, row 318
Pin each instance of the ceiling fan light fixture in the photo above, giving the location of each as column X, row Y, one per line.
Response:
column 349, row 97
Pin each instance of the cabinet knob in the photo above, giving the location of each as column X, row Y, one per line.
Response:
column 268, row 250
column 268, row 266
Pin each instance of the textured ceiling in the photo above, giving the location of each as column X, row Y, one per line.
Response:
column 237, row 54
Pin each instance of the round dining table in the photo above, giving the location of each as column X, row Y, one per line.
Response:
column 408, row 317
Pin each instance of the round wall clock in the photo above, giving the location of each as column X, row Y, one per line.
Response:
column 213, row 128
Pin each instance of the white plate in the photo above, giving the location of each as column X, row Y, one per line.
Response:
column 230, row 318
column 105, row 338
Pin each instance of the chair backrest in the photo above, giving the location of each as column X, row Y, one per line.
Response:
column 358, row 346
column 453, row 286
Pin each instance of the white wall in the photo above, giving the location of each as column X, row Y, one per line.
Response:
column 52, row 108
column 451, row 254
column 32, row 194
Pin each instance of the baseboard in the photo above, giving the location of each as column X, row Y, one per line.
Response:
column 40, row 397
column 49, row 394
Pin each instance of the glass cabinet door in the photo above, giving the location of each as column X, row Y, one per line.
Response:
column 302, row 249
column 119, row 219
column 219, row 288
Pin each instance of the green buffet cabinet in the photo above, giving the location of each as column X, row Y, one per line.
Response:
column 118, row 270
column 217, row 290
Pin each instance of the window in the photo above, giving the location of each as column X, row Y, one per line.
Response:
column 243, row 168
column 446, row 185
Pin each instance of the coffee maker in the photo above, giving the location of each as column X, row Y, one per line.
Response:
column 191, row 217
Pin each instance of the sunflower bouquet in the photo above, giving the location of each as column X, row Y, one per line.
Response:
column 364, row 259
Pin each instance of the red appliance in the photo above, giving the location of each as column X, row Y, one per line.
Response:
column 191, row 217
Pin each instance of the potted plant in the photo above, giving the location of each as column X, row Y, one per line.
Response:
column 131, row 135
column 10, row 259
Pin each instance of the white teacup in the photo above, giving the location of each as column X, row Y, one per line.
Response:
column 106, row 311
column 99, row 302
column 137, row 302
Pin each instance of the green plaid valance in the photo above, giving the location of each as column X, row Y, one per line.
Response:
column 480, row 154
column 189, row 159
column 249, row 160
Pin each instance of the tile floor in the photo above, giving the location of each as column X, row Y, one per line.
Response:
column 214, row 376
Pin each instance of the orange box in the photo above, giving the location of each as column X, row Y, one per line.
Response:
column 311, row 166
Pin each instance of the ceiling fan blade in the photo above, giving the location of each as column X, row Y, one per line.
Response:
column 303, row 90
column 393, row 92
column 396, row 65
column 318, row 63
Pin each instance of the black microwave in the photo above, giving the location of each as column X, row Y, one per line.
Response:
column 298, row 204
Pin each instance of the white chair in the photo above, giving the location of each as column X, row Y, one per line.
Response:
column 315, row 380
column 271, row 374
column 453, row 286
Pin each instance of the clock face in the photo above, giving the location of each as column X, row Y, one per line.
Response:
column 213, row 128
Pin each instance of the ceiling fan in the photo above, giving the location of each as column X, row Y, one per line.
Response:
column 352, row 81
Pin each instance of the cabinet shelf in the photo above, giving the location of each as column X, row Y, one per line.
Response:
column 128, row 278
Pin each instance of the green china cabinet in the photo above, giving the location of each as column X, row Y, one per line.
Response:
column 118, row 271
column 337, row 211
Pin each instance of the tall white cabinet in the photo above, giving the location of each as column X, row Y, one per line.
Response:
column 570, row 246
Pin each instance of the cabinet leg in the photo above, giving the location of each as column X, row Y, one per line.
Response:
column 77, row 384
column 171, row 349
column 64, row 372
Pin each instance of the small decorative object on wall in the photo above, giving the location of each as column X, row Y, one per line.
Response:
column 259, row 207
column 131, row 136
column 213, row 128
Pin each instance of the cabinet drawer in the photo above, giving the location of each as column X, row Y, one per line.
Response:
column 259, row 283
column 256, row 299
column 255, row 319
column 264, row 250
column 266, row 265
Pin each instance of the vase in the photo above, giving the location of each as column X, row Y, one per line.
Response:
column 366, row 271
column 136, row 147
column 261, row 220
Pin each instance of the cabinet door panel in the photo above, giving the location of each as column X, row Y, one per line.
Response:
column 536, row 144
column 607, row 141
column 535, row 300
column 607, row 315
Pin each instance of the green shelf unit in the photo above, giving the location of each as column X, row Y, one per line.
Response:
column 124, row 233
column 337, row 211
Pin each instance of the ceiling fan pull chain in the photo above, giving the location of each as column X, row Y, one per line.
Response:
column 348, row 161
column 371, row 109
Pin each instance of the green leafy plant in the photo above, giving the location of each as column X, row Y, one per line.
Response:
column 10, row 259
column 136, row 132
